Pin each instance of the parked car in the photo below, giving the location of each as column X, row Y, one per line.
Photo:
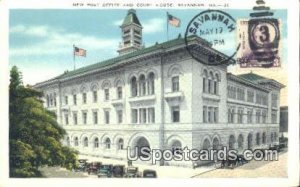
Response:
column 93, row 167
column 132, row 172
column 118, row 170
column 148, row 173
column 105, row 170
column 81, row 165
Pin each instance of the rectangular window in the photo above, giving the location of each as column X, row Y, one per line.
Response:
column 95, row 116
column 274, row 117
column 106, row 117
column 175, row 84
column 258, row 116
column 204, row 114
column 106, row 93
column 134, row 114
column 142, row 112
column 95, row 96
column 67, row 119
column 264, row 117
column 209, row 86
column 240, row 115
column 66, row 100
column 204, row 84
column 75, row 99
column 151, row 115
column 175, row 114
column 120, row 94
column 215, row 87
column 75, row 118
column 120, row 116
column 84, row 118
column 229, row 116
column 216, row 114
column 231, row 113
column 84, row 98
column 250, row 96
column 274, row 100
column 209, row 115
column 249, row 116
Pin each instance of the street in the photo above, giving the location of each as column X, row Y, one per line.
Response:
column 252, row 169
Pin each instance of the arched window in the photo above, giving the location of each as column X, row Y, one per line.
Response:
column 133, row 86
column 257, row 138
column 176, row 146
column 68, row 141
column 206, row 144
column 107, row 143
column 96, row 143
column 120, row 144
column 85, row 142
column 272, row 137
column 48, row 101
column 231, row 144
column 51, row 100
column 142, row 82
column 54, row 99
column 264, row 138
column 216, row 84
column 250, row 144
column 240, row 142
column 275, row 136
column 204, row 81
column 216, row 143
column 211, row 83
column 151, row 88
column 175, row 83
column 76, row 141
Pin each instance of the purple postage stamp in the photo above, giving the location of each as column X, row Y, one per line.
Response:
column 259, row 36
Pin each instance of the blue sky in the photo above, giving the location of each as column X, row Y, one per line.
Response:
column 41, row 41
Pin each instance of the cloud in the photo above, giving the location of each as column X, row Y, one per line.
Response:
column 57, row 41
column 118, row 22
column 39, row 31
column 154, row 25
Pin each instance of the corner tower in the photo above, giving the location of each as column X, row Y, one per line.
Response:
column 131, row 33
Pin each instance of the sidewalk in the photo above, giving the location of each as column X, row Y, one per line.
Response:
column 254, row 169
column 162, row 171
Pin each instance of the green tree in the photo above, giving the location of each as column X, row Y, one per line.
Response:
column 34, row 134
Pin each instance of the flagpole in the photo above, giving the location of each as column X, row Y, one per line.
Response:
column 167, row 26
column 74, row 56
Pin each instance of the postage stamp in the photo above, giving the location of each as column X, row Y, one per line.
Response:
column 191, row 89
column 260, row 39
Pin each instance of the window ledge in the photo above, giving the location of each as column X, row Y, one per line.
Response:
column 117, row 102
column 142, row 98
column 211, row 96
column 174, row 96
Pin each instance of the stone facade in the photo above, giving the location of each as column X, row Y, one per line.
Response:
column 162, row 99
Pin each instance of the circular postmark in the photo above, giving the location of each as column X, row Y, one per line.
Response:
column 210, row 38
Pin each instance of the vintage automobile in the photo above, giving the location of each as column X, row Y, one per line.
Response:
column 148, row 173
column 132, row 172
column 118, row 170
column 81, row 165
column 275, row 147
column 93, row 167
column 105, row 170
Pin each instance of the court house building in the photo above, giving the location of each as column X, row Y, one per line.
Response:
column 160, row 97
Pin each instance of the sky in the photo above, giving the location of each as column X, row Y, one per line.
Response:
column 41, row 41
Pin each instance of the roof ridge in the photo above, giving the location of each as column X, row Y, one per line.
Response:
column 125, row 56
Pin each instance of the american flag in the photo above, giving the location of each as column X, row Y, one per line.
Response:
column 172, row 20
column 79, row 52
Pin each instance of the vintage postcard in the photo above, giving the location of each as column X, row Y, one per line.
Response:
column 104, row 91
